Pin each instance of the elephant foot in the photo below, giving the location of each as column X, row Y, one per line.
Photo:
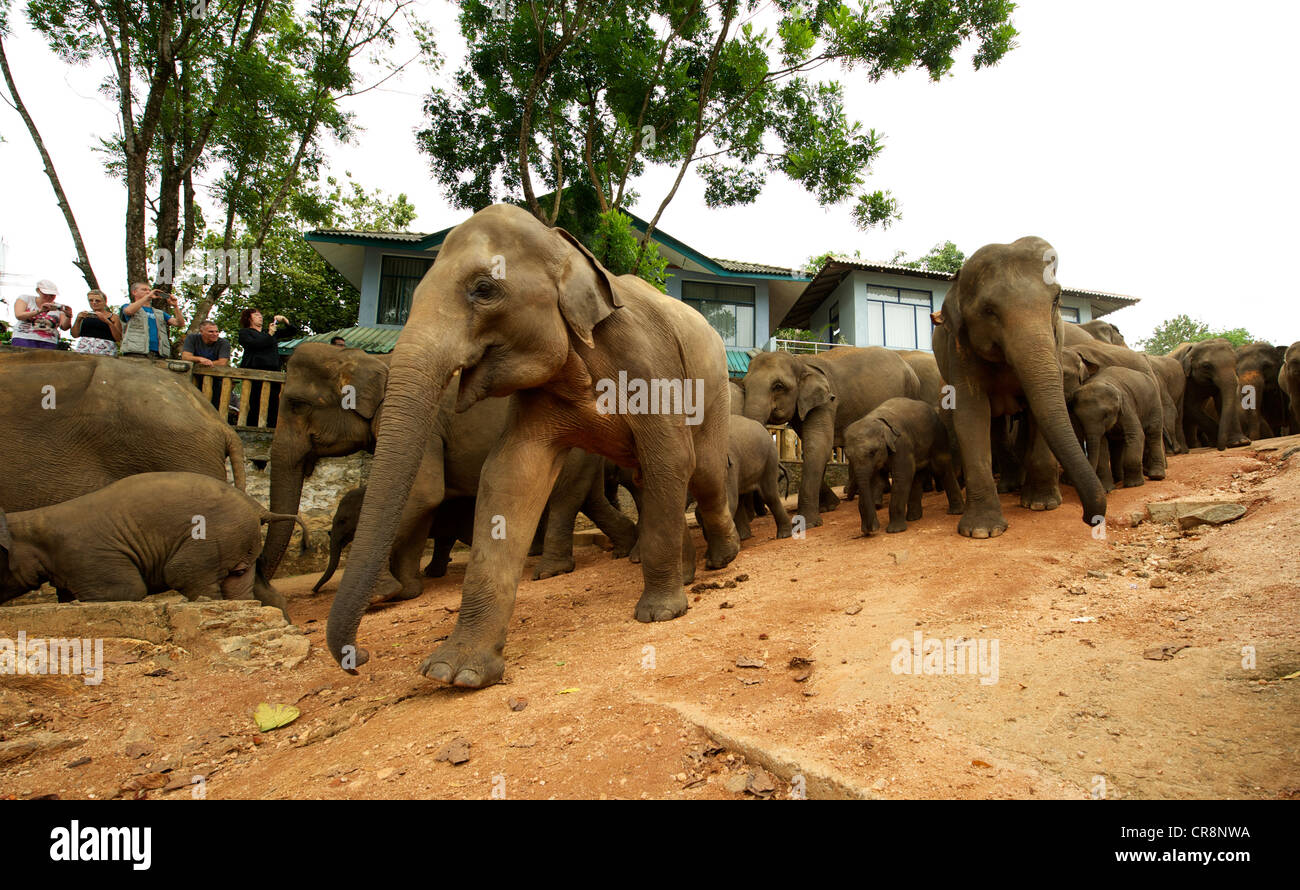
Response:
column 660, row 606
column 1007, row 486
column 470, row 665
column 956, row 509
column 436, row 568
column 913, row 517
column 1156, row 475
column 896, row 526
column 784, row 531
column 1045, row 496
column 810, row 519
column 1134, row 481
column 1238, row 443
column 722, row 552
column 634, row 555
column 828, row 501
column 975, row 523
column 549, row 568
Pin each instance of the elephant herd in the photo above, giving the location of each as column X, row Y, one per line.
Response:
column 486, row 428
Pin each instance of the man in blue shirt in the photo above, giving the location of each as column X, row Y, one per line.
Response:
column 143, row 336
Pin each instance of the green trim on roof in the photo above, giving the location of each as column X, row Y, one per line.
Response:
column 374, row 340
column 737, row 362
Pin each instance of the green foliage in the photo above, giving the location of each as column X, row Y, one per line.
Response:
column 945, row 257
column 1173, row 332
column 615, row 245
column 600, row 91
column 814, row 264
column 804, row 335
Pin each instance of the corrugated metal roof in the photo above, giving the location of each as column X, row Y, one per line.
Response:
column 375, row 340
column 757, row 268
column 737, row 362
column 362, row 233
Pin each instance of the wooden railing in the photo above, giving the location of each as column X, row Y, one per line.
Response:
column 218, row 386
column 802, row 346
column 789, row 448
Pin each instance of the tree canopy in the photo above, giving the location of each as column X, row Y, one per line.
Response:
column 597, row 91
column 1173, row 332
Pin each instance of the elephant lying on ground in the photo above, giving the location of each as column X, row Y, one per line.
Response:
column 998, row 343
column 1264, row 405
column 1210, row 368
column 512, row 307
column 144, row 534
column 74, row 423
column 754, row 467
column 819, row 396
column 1288, row 380
column 330, row 406
column 1119, row 414
column 896, row 440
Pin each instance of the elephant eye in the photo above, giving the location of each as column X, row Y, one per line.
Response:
column 299, row 406
column 482, row 289
column 778, row 386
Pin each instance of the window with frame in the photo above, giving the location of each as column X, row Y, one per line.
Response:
column 398, row 278
column 1070, row 313
column 728, row 308
column 900, row 317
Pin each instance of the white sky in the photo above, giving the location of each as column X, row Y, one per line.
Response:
column 1150, row 142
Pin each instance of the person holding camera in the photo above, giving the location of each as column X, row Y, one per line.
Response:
column 39, row 318
column 146, row 319
column 262, row 353
column 98, row 331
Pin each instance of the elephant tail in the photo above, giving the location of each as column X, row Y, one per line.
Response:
column 235, row 451
column 268, row 516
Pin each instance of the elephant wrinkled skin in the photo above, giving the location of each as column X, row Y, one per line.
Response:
column 512, row 307
column 998, row 342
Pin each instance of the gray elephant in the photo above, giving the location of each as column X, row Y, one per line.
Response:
column 595, row 361
column 147, row 533
column 330, row 406
column 453, row 520
column 1103, row 331
column 1169, row 372
column 896, row 440
column 1288, row 380
column 579, row 487
column 819, row 396
column 105, row 419
column 1119, row 410
column 1210, row 367
column 754, row 467
column 998, row 342
column 1263, row 404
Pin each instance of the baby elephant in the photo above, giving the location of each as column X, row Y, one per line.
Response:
column 144, row 534
column 900, row 437
column 753, row 466
column 1120, row 410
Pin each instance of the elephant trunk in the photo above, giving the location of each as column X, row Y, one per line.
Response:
column 1094, row 447
column 1250, row 417
column 420, row 371
column 758, row 407
column 1229, row 418
column 287, row 473
column 1037, row 365
column 336, row 549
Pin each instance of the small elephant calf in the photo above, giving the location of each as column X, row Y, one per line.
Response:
column 144, row 534
column 1119, row 410
column 900, row 437
column 753, row 466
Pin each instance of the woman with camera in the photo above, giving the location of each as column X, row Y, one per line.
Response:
column 39, row 318
column 98, row 331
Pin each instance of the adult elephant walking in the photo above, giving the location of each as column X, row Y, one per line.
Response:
column 1263, row 404
column 1210, row 367
column 819, row 396
column 998, row 343
column 1288, row 379
column 73, row 424
column 514, row 307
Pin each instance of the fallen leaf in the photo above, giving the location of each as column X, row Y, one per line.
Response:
column 981, row 764
column 1290, row 676
column 269, row 717
column 567, row 691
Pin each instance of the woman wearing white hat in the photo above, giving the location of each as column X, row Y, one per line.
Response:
column 39, row 318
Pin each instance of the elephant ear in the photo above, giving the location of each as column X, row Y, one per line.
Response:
column 1186, row 360
column 949, row 314
column 890, row 435
column 367, row 376
column 587, row 294
column 6, row 539
column 814, row 390
column 1089, row 359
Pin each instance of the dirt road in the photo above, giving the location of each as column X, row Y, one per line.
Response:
column 1118, row 667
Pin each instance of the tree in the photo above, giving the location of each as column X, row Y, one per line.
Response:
column 1171, row 333
column 240, row 91
column 615, row 245
column 559, row 91
column 945, row 257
